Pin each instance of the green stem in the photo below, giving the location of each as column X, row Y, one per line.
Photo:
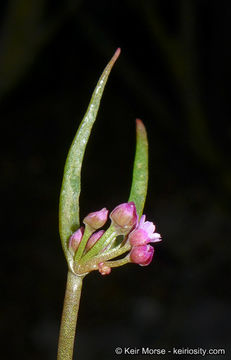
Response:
column 105, row 239
column 119, row 262
column 92, row 264
column 113, row 253
column 69, row 316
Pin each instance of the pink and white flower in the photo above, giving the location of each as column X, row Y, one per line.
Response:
column 144, row 233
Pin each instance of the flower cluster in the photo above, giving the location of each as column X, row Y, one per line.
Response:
column 137, row 236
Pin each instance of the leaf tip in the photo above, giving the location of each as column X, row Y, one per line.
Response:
column 140, row 128
column 117, row 53
column 115, row 56
column 139, row 122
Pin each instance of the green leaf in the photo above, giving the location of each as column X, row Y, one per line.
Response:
column 140, row 169
column 71, row 186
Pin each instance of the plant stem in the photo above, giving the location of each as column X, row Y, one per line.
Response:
column 120, row 262
column 87, row 233
column 69, row 316
column 105, row 239
column 92, row 264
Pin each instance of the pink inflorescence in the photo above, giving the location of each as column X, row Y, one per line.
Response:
column 124, row 218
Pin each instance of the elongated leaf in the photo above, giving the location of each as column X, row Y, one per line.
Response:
column 70, row 191
column 140, row 169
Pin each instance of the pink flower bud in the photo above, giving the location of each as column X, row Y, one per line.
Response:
column 96, row 219
column 92, row 240
column 124, row 217
column 143, row 233
column 104, row 269
column 142, row 255
column 75, row 239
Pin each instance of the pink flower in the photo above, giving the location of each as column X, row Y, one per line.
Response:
column 143, row 233
column 75, row 239
column 96, row 219
column 93, row 239
column 124, row 217
column 142, row 255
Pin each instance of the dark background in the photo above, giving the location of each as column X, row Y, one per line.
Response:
column 174, row 74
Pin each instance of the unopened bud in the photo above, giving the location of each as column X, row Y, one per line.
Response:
column 96, row 219
column 124, row 217
column 142, row 255
column 104, row 269
column 93, row 239
column 75, row 239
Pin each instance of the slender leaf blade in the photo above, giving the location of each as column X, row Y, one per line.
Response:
column 71, row 185
column 140, row 169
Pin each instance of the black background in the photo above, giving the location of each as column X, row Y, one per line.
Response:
column 174, row 74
